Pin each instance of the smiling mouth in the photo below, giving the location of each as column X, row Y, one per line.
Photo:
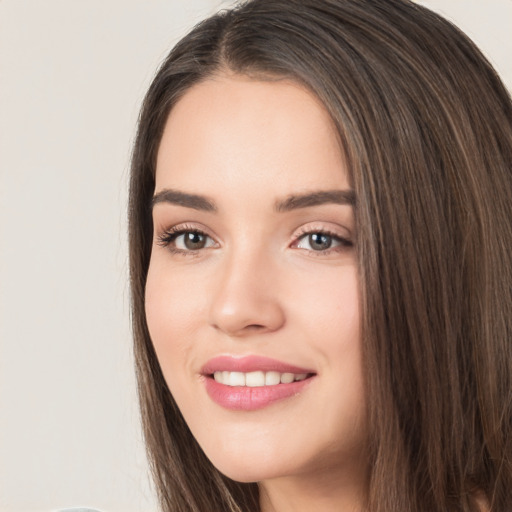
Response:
column 257, row 378
column 253, row 382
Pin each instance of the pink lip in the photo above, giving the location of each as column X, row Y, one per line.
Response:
column 243, row 398
column 249, row 364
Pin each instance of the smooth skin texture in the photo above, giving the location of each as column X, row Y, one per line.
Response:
column 240, row 277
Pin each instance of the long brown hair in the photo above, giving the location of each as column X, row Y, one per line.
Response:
column 426, row 126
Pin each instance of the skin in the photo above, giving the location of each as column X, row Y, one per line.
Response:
column 260, row 287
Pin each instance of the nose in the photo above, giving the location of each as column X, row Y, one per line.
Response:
column 246, row 300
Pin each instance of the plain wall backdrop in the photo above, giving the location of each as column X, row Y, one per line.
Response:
column 72, row 76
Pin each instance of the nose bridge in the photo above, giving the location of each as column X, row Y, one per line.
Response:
column 247, row 293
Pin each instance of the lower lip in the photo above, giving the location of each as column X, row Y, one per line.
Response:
column 245, row 398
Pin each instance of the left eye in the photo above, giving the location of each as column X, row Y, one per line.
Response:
column 319, row 241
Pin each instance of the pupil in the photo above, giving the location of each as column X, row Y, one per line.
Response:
column 194, row 240
column 320, row 241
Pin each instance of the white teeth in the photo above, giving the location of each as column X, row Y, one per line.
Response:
column 286, row 378
column 236, row 379
column 272, row 378
column 256, row 379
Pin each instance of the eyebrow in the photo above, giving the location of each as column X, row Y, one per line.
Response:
column 193, row 201
column 292, row 202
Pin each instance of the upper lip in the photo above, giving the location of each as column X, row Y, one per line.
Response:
column 251, row 363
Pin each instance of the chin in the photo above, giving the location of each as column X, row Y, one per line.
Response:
column 247, row 469
column 246, row 474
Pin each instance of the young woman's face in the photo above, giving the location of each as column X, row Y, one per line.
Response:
column 252, row 295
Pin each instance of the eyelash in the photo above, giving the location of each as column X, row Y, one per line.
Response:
column 168, row 237
column 344, row 243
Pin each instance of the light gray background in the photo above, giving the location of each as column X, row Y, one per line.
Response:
column 72, row 75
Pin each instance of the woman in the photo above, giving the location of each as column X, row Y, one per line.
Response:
column 320, row 245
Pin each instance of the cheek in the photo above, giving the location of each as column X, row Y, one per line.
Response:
column 331, row 317
column 172, row 312
column 157, row 304
column 329, row 309
column 172, row 297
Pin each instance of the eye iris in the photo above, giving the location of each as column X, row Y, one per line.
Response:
column 320, row 241
column 194, row 240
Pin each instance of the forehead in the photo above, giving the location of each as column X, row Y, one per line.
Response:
column 233, row 131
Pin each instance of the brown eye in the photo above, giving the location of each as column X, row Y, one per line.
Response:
column 186, row 241
column 193, row 240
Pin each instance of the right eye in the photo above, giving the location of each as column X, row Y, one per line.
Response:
column 186, row 240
